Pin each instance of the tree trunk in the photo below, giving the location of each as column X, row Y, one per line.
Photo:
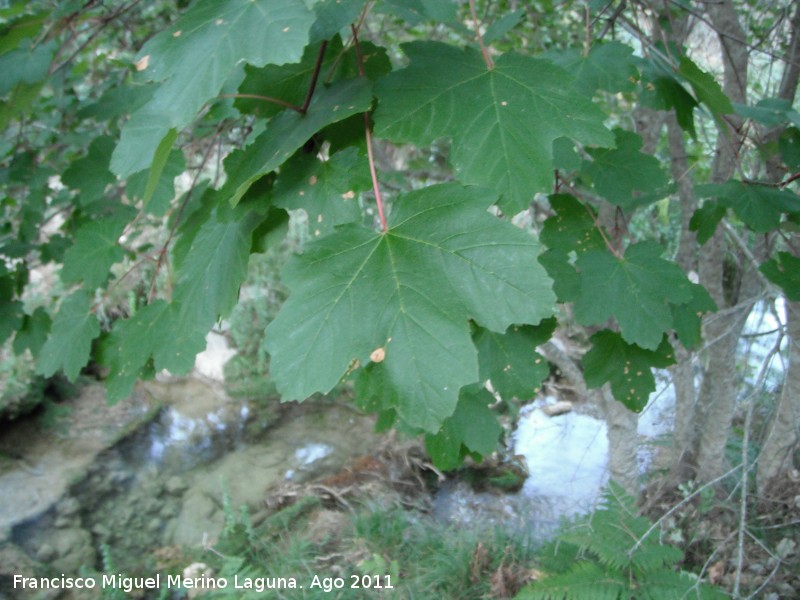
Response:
column 776, row 458
column 783, row 434
column 623, row 442
column 716, row 402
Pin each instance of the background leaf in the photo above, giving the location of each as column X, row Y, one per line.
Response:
column 625, row 366
column 637, row 290
column 194, row 57
column 510, row 359
column 289, row 131
column 473, row 428
column 328, row 190
column 96, row 248
column 622, row 173
column 502, row 121
column 70, row 343
column 784, row 270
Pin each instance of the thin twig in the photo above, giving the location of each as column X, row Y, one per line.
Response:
column 314, row 77
column 737, row 583
column 612, row 19
column 375, row 185
column 680, row 504
column 104, row 22
column 588, row 42
column 484, row 50
column 617, row 254
column 270, row 99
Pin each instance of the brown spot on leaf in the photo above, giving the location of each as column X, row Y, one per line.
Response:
column 142, row 63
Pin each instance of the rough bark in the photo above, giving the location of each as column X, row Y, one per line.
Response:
column 783, row 433
column 683, row 378
column 777, row 454
column 623, row 441
column 716, row 403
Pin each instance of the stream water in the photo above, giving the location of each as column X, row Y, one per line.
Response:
column 167, row 482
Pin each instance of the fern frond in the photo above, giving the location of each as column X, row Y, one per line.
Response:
column 677, row 585
column 584, row 581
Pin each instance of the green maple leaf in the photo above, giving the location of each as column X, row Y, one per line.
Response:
column 208, row 277
column 620, row 174
column 510, row 359
column 71, row 335
column 502, row 26
column 473, row 428
column 288, row 131
column 159, row 336
column 130, row 346
column 404, row 298
column 156, row 187
column 571, row 230
column 663, row 92
column 771, row 112
column 10, row 317
column 760, row 207
column 26, row 65
column 608, row 67
column 784, row 270
column 90, row 175
column 636, row 289
column 290, row 82
column 705, row 220
column 117, row 101
column 688, row 317
column 414, row 12
column 502, row 121
column 96, row 248
column 625, row 366
column 789, row 147
column 705, row 87
column 333, row 16
column 196, row 55
column 32, row 334
column 327, row 190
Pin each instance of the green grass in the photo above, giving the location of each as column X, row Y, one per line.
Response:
column 422, row 558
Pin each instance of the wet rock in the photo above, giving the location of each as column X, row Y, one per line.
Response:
column 152, row 505
column 559, row 408
column 74, row 549
column 68, row 506
column 197, row 520
column 101, row 531
column 119, row 478
column 154, row 524
column 785, row 548
column 13, row 560
column 63, row 522
column 46, row 553
column 168, row 511
column 176, row 485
